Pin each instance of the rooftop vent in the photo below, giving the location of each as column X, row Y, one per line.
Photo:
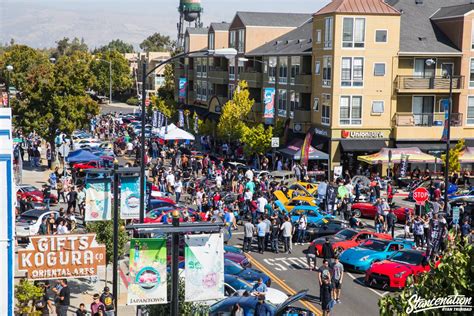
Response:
column 418, row 1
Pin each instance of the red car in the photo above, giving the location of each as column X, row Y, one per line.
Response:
column 392, row 274
column 25, row 191
column 364, row 209
column 347, row 238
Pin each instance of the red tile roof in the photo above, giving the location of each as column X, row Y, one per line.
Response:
column 358, row 7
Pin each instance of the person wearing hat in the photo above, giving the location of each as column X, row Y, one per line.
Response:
column 96, row 305
column 108, row 300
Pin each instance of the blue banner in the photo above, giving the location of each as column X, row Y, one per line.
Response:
column 130, row 198
column 183, row 83
column 269, row 103
column 445, row 106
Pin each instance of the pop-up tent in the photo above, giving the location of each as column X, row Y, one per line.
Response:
column 413, row 154
column 81, row 155
column 293, row 150
column 467, row 155
column 172, row 132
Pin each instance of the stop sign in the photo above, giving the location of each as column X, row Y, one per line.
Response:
column 420, row 195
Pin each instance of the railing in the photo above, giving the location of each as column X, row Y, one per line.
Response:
column 426, row 119
column 428, row 83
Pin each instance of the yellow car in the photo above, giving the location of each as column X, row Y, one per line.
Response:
column 303, row 188
column 290, row 203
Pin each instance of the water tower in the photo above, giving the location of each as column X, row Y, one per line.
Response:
column 189, row 11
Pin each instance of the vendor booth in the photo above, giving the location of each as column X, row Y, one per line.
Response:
column 172, row 132
column 411, row 155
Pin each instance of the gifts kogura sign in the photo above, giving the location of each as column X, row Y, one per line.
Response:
column 130, row 198
column 98, row 200
column 204, row 267
column 61, row 256
column 147, row 272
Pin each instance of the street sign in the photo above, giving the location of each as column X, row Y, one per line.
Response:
column 456, row 215
column 420, row 195
column 147, row 101
column 275, row 142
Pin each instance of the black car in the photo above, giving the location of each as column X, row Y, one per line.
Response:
column 324, row 228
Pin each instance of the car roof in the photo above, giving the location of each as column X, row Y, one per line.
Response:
column 36, row 212
column 305, row 208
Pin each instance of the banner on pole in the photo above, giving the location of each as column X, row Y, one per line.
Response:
column 269, row 103
column 183, row 83
column 445, row 107
column 196, row 124
column 148, row 284
column 98, row 200
column 305, row 148
column 204, row 267
column 130, row 198
column 155, row 119
column 181, row 118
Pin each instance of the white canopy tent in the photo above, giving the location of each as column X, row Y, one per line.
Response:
column 172, row 132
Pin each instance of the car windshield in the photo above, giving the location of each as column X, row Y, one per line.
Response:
column 231, row 267
column 346, row 234
column 27, row 219
column 239, row 284
column 376, row 245
column 29, row 189
column 409, row 257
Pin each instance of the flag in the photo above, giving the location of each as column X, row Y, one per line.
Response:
column 445, row 106
column 196, row 124
column 181, row 118
column 305, row 148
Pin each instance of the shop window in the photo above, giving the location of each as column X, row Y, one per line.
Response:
column 282, row 102
column 283, row 70
column 470, row 111
column 328, row 36
column 325, row 115
column 327, row 71
column 317, row 67
column 352, row 72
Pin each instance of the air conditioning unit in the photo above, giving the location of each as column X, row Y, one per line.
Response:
column 297, row 127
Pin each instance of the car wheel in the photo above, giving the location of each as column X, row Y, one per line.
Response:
column 338, row 251
column 357, row 212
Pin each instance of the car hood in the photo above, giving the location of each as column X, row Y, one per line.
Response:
column 252, row 274
column 356, row 253
column 390, row 267
column 290, row 300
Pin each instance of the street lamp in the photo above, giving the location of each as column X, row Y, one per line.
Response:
column 447, row 126
column 110, row 78
column 9, row 70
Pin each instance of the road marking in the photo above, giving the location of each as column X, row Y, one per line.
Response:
column 293, row 263
column 281, row 283
column 362, row 283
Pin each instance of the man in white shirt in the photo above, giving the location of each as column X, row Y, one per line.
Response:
column 219, row 181
column 170, row 181
column 178, row 188
column 287, row 230
column 261, row 202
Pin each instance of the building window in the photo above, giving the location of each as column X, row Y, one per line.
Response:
column 379, row 69
column 231, row 69
column 232, row 39
column 318, row 36
column 352, row 72
column 470, row 111
column 211, row 40
column 377, row 107
column 283, row 70
column 353, row 32
column 328, row 25
column 282, row 102
column 381, row 36
column 272, row 64
column 295, row 68
column 240, row 46
column 350, row 108
column 231, row 91
column 472, row 35
column 294, row 100
column 316, row 105
column 326, row 115
column 199, row 67
column 317, row 67
column 471, row 75
column 204, row 67
column 327, row 71
column 240, row 67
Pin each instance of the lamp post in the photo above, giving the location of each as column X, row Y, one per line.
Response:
column 110, row 78
column 9, row 70
column 449, row 73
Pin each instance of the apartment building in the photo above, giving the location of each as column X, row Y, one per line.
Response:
column 153, row 83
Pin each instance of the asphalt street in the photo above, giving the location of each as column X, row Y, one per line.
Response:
column 118, row 107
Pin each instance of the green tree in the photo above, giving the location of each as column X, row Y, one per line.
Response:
column 166, row 92
column 64, row 47
column 121, row 76
column 454, row 275
column 256, row 140
column 116, row 45
column 185, row 308
column 454, row 153
column 104, row 231
column 157, row 43
column 166, row 107
column 234, row 113
column 26, row 293
column 207, row 127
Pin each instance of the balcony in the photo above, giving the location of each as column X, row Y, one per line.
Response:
column 254, row 79
column 411, row 84
column 303, row 83
column 218, row 76
column 426, row 119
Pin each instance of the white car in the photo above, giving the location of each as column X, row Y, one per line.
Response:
column 28, row 223
column 90, row 143
column 234, row 285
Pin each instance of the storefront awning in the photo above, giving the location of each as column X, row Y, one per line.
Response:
column 293, row 150
column 362, row 145
column 426, row 146
column 413, row 155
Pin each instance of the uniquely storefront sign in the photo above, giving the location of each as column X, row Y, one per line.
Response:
column 204, row 267
column 98, row 206
column 362, row 134
column 61, row 256
column 148, row 283
column 321, row 132
column 130, row 197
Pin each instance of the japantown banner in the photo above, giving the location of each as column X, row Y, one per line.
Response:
column 61, row 256
column 204, row 267
column 147, row 272
column 269, row 103
column 98, row 200
column 130, row 197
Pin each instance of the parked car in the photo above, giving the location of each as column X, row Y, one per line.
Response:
column 289, row 204
column 234, row 285
column 86, row 143
column 28, row 223
column 160, row 202
column 283, row 177
column 325, row 227
column 29, row 191
column 248, row 304
column 238, row 258
column 347, row 238
column 392, row 274
column 360, row 258
column 312, row 214
column 233, row 249
column 368, row 210
column 303, row 188
column 248, row 274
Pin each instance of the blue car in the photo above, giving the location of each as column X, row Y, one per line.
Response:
column 360, row 258
column 233, row 249
column 248, row 274
column 463, row 194
column 312, row 213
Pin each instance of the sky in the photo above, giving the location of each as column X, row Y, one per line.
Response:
column 40, row 23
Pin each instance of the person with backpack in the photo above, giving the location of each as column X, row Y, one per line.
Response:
column 108, row 300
